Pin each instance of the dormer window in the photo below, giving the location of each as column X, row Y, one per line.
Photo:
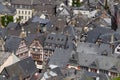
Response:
column 61, row 39
column 33, row 49
column 36, row 50
column 58, row 39
column 22, row 12
column 29, row 12
column 51, row 38
column 118, row 50
column 20, row 6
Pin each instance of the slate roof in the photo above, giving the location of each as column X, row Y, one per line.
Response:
column 40, row 20
column 105, row 49
column 91, row 48
column 106, row 38
column 2, row 33
column 50, row 74
column 63, row 10
column 29, row 39
column 13, row 26
column 12, row 44
column 87, row 48
column 4, row 9
column 30, row 27
column 60, row 57
column 92, row 75
column 94, row 34
column 56, row 38
column 81, row 21
column 57, row 70
column 23, row 68
column 71, row 31
column 21, row 2
column 104, row 62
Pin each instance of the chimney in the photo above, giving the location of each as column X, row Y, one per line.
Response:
column 38, row 29
column 28, row 33
column 115, row 10
column 112, row 39
column 111, row 42
column 31, row 2
column 23, row 33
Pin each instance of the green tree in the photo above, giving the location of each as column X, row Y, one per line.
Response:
column 5, row 20
column 117, row 78
column 76, row 3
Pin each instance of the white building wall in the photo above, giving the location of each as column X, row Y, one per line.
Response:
column 26, row 14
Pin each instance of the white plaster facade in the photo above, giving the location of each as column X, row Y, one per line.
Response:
column 23, row 14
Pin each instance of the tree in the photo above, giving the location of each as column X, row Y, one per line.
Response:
column 5, row 20
column 76, row 3
column 117, row 78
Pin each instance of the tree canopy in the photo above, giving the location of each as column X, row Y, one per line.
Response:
column 5, row 20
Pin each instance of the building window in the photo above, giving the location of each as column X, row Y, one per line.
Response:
column 29, row 12
column 20, row 17
column 104, row 71
column 84, row 68
column 94, row 70
column 118, row 50
column 19, row 12
column 20, row 6
column 39, row 62
column 113, row 74
column 36, row 56
column 61, row 39
column 33, row 49
column 28, row 7
column 15, row 6
column 58, row 39
column 51, row 38
column 36, row 49
column 22, row 12
column 28, row 17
